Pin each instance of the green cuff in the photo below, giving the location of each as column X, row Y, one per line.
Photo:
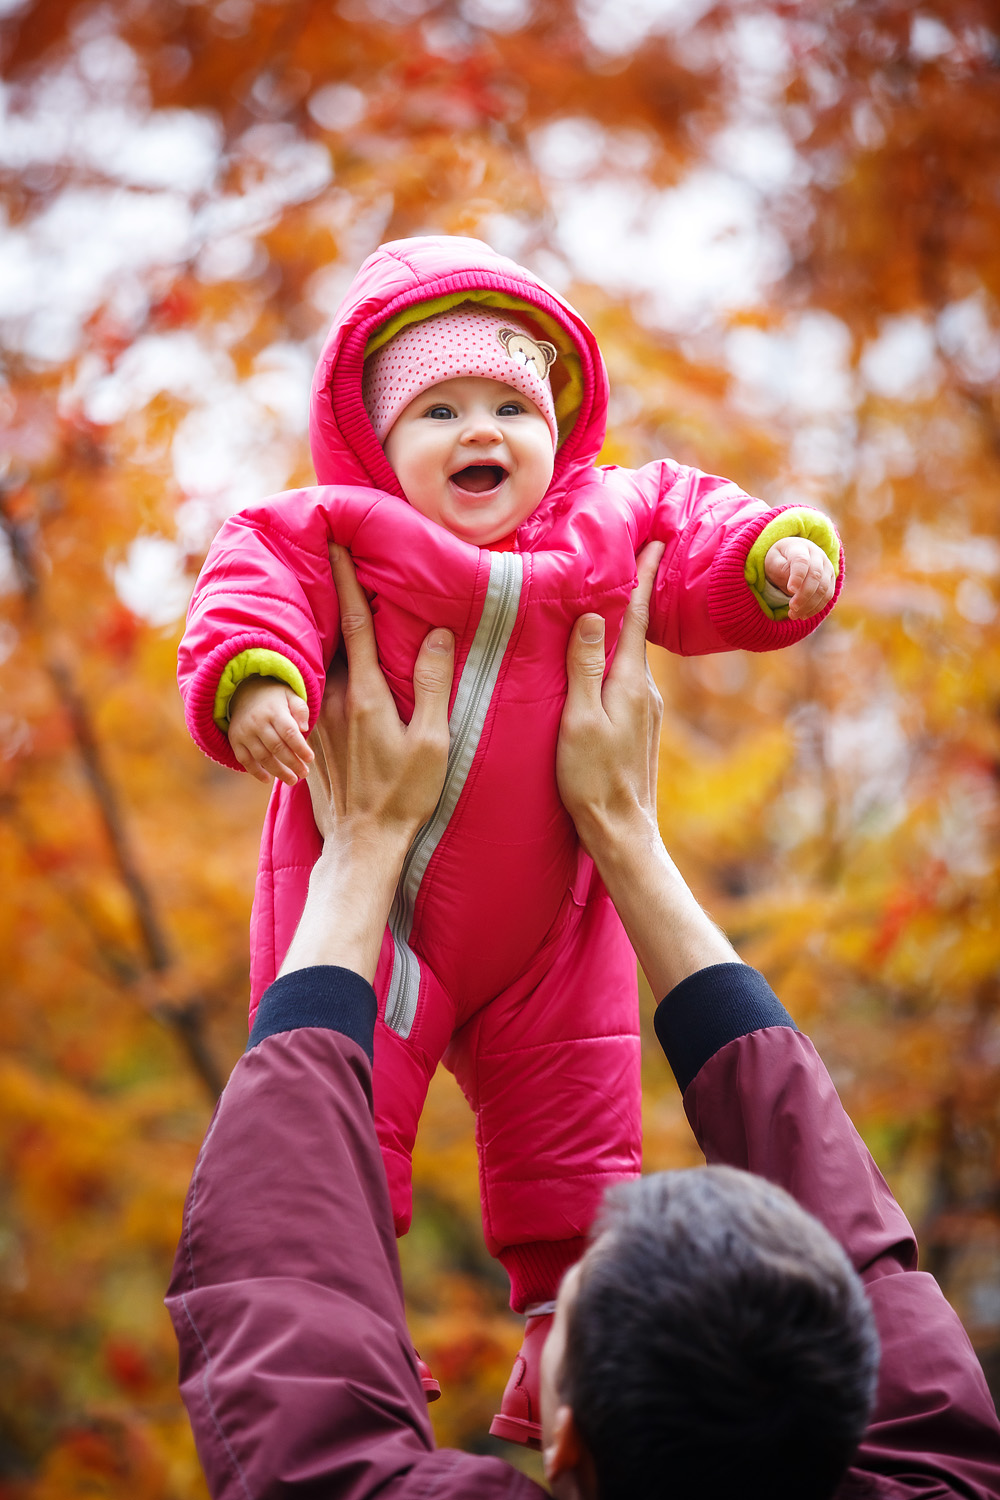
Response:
column 799, row 521
column 257, row 662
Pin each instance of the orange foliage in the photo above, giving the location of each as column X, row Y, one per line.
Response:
column 836, row 805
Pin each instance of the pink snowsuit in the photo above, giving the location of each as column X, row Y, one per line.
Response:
column 503, row 955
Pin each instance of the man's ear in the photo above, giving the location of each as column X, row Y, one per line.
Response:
column 568, row 1465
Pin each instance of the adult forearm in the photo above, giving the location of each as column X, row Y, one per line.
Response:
column 671, row 934
column 350, row 895
column 606, row 762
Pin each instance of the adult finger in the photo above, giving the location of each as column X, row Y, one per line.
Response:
column 329, row 733
column 433, row 672
column 632, row 640
column 355, row 619
column 629, row 665
column 322, row 780
column 585, row 668
column 654, row 719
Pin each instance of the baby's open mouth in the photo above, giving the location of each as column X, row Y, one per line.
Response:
column 476, row 479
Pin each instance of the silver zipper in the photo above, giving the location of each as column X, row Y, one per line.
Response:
column 468, row 715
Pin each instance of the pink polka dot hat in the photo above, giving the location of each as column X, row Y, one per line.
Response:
column 466, row 340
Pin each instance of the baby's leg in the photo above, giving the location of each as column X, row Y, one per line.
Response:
column 403, row 1069
column 551, row 1068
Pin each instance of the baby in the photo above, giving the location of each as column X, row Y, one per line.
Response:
column 458, row 410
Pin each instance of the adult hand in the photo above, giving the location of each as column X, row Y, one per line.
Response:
column 606, row 758
column 374, row 781
column 606, row 765
column 374, row 774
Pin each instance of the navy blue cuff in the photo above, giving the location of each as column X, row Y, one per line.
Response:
column 334, row 998
column 710, row 1008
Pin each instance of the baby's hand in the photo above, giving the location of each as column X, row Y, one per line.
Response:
column 266, row 730
column 803, row 571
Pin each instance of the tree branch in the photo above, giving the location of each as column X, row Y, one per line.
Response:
column 185, row 1019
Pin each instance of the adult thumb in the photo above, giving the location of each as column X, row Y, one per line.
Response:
column 432, row 677
column 585, row 663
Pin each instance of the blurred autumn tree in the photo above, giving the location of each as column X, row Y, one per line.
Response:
column 783, row 220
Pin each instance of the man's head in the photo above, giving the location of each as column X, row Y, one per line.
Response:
column 714, row 1340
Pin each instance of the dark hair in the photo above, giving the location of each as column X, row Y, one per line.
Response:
column 720, row 1344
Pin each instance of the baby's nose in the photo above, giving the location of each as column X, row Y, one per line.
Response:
column 482, row 429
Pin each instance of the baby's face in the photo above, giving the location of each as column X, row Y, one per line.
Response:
column 473, row 455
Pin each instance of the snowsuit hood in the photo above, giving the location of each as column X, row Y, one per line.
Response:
column 408, row 279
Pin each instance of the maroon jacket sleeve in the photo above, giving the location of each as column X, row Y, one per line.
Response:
column 758, row 1097
column 295, row 1362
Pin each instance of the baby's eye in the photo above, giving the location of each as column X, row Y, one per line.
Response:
column 510, row 409
column 439, row 413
